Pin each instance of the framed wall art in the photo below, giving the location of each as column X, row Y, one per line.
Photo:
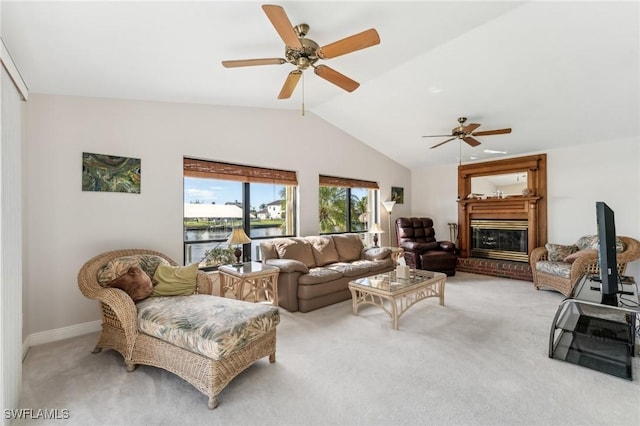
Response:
column 397, row 195
column 110, row 173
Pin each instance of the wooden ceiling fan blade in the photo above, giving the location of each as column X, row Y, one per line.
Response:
column 436, row 136
column 350, row 44
column 282, row 24
column 470, row 127
column 290, row 84
column 336, row 78
column 492, row 132
column 471, row 141
column 252, row 62
column 442, row 143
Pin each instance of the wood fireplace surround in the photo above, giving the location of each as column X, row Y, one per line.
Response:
column 531, row 207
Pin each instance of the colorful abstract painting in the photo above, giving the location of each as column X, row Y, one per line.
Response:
column 110, row 173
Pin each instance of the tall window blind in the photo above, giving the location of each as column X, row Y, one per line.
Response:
column 347, row 183
column 217, row 170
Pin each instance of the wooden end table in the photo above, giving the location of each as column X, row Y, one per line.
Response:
column 250, row 281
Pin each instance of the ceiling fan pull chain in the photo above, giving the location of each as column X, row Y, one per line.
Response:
column 303, row 94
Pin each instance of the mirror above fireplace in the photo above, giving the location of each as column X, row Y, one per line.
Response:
column 500, row 185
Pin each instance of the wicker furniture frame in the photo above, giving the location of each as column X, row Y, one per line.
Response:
column 120, row 332
column 583, row 265
column 423, row 285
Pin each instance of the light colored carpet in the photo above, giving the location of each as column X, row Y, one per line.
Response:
column 479, row 360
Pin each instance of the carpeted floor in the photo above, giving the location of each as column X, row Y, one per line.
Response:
column 479, row 360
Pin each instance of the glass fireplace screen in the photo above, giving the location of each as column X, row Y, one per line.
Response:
column 499, row 239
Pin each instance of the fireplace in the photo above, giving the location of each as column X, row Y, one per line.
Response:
column 500, row 239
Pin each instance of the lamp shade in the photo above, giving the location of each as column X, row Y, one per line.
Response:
column 375, row 229
column 388, row 205
column 238, row 236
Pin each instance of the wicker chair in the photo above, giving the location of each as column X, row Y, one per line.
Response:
column 583, row 265
column 120, row 332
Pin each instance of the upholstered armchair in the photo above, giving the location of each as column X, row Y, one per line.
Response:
column 559, row 267
column 421, row 250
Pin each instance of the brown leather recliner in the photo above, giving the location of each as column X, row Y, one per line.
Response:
column 421, row 250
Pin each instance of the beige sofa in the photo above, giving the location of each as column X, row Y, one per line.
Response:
column 315, row 271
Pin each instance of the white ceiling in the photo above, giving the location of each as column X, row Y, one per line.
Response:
column 558, row 73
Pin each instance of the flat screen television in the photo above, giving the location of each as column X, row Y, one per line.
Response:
column 607, row 253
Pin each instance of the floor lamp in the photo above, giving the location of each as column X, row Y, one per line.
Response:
column 388, row 206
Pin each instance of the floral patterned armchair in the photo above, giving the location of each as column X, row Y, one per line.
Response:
column 559, row 266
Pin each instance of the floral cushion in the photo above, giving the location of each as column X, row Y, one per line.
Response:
column 208, row 325
column 558, row 252
column 590, row 242
column 117, row 267
column 559, row 269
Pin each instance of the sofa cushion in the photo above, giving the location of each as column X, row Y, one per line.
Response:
column 351, row 269
column 559, row 269
column 349, row 247
column 136, row 283
column 324, row 250
column 557, row 252
column 288, row 265
column 175, row 280
column 319, row 275
column 120, row 266
column 208, row 325
column 377, row 265
column 297, row 249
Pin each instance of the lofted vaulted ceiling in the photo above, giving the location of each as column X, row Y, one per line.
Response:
column 558, row 73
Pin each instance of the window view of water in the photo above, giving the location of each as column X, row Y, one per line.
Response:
column 195, row 252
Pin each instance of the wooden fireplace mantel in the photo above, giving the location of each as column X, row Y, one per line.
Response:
column 532, row 207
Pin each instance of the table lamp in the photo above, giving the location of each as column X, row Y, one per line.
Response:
column 388, row 206
column 375, row 230
column 237, row 238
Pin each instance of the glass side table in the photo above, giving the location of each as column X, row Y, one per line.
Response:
column 250, row 281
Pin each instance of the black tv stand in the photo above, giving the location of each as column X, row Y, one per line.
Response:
column 596, row 333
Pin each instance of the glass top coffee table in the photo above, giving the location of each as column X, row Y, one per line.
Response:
column 396, row 295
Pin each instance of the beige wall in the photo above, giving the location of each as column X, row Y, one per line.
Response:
column 577, row 177
column 66, row 226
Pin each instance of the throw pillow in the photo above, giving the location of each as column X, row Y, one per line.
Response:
column 175, row 280
column 119, row 266
column 580, row 253
column 377, row 253
column 558, row 252
column 136, row 283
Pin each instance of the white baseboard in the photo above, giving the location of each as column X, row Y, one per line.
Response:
column 59, row 334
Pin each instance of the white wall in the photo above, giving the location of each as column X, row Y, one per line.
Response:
column 66, row 226
column 577, row 177
column 11, row 237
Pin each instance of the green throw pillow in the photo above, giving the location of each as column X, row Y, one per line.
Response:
column 175, row 280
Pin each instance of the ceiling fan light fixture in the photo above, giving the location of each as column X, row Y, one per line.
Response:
column 304, row 53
